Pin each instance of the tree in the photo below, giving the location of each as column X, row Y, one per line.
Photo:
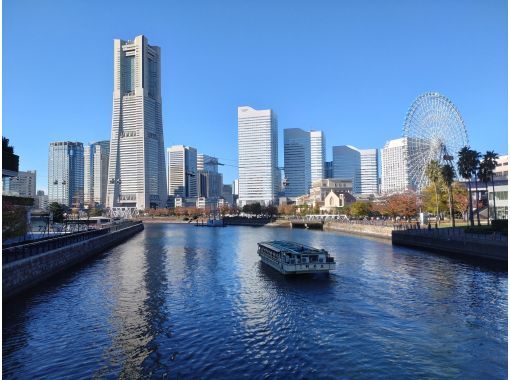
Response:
column 58, row 210
column 447, row 176
column 359, row 209
column 433, row 172
column 467, row 165
column 489, row 163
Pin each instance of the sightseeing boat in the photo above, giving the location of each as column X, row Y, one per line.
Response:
column 289, row 257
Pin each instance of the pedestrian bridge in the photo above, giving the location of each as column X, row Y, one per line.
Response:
column 315, row 221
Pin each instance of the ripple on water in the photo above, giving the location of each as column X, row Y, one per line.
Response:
column 179, row 301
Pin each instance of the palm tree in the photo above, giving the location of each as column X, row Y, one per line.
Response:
column 433, row 172
column 475, row 161
column 447, row 175
column 467, row 165
column 484, row 176
column 490, row 163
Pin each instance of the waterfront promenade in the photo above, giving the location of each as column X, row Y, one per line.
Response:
column 27, row 265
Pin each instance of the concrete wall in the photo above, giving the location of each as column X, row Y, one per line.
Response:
column 484, row 249
column 360, row 229
column 23, row 274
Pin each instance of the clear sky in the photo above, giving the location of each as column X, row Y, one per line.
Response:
column 349, row 68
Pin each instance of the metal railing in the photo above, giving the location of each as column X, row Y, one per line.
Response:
column 34, row 248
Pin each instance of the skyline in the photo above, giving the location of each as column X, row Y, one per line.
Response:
column 316, row 61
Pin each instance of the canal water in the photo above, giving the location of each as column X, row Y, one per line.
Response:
column 179, row 301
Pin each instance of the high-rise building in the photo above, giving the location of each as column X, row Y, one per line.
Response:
column 96, row 160
column 41, row 200
column 258, row 156
column 65, row 173
column 136, row 175
column 394, row 167
column 209, row 184
column 296, row 156
column 347, row 165
column 328, row 169
column 369, row 171
column 227, row 194
column 317, row 155
column 207, row 163
column 23, row 184
column 182, row 171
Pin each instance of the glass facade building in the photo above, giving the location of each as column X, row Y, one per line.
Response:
column 296, row 153
column 66, row 173
column 317, row 155
column 182, row 171
column 347, row 165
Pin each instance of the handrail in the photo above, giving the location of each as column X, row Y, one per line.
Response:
column 23, row 251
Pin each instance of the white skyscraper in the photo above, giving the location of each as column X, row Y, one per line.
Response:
column 347, row 165
column 296, row 156
column 136, row 176
column 369, row 171
column 317, row 155
column 394, row 167
column 96, row 158
column 182, row 171
column 258, row 156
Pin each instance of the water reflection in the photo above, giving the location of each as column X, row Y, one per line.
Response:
column 186, row 302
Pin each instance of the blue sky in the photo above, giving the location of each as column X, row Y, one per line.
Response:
column 349, row 68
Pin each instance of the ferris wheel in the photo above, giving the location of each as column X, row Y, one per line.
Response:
column 435, row 130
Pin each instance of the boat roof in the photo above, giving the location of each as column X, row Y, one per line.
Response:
column 291, row 247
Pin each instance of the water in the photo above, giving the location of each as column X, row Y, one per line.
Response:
column 178, row 301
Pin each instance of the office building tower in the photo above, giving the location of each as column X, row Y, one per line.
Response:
column 395, row 167
column 369, row 171
column 227, row 194
column 182, row 171
column 96, row 158
column 347, row 165
column 296, row 156
column 209, row 184
column 207, row 163
column 258, row 156
column 317, row 155
column 328, row 169
column 65, row 173
column 136, row 175
column 23, row 184
column 41, row 201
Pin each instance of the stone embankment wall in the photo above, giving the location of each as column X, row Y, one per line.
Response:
column 476, row 248
column 22, row 274
column 360, row 229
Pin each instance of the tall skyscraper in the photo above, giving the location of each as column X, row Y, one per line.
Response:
column 296, row 156
column 65, row 173
column 209, row 181
column 136, row 175
column 24, row 183
column 369, row 171
column 328, row 169
column 347, row 165
column 258, row 156
column 207, row 163
column 317, row 155
column 96, row 160
column 182, row 171
column 395, row 167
